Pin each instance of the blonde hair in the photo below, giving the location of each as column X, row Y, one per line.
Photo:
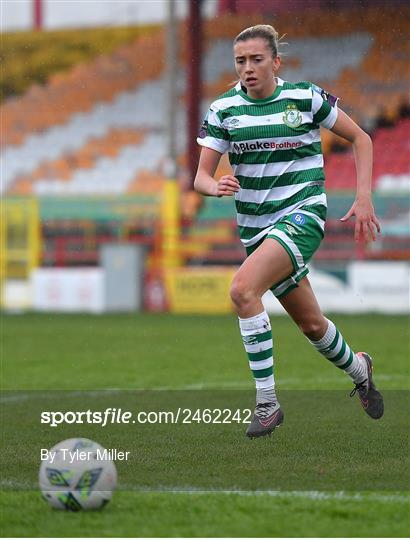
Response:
column 263, row 31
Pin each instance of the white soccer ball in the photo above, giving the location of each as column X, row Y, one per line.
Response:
column 76, row 474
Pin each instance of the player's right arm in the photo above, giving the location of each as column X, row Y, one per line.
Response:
column 205, row 182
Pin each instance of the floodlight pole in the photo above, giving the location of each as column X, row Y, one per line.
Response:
column 194, row 90
column 227, row 6
column 172, row 96
column 38, row 14
column 170, row 211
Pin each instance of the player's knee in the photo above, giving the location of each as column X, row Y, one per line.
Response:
column 241, row 294
column 313, row 329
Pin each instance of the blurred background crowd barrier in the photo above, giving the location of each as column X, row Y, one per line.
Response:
column 98, row 149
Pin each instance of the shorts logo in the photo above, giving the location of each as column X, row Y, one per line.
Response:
column 292, row 116
column 299, row 219
column 291, row 230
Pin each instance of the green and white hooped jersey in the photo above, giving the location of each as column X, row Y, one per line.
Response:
column 275, row 152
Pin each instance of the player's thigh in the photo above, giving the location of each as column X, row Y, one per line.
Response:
column 301, row 304
column 267, row 265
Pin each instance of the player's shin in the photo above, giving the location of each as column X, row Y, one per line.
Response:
column 257, row 338
column 333, row 347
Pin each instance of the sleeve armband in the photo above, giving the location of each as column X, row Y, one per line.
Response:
column 203, row 130
column 326, row 96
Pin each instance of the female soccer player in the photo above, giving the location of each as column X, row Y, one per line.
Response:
column 271, row 129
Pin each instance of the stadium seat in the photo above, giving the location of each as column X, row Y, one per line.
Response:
column 60, row 133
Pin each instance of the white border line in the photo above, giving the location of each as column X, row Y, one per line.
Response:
column 311, row 495
column 234, row 385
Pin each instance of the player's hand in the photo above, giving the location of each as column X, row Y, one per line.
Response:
column 367, row 223
column 227, row 186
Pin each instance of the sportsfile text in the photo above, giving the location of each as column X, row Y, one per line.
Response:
column 112, row 415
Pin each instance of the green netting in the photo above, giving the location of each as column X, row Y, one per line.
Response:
column 100, row 209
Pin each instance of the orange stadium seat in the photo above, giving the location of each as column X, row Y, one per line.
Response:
column 63, row 168
column 78, row 90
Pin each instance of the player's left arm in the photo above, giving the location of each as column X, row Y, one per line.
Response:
column 366, row 221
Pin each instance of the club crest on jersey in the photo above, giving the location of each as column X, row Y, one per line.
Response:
column 292, row 117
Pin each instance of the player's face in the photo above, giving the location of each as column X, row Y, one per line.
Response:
column 256, row 67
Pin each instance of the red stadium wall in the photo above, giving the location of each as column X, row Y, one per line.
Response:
column 276, row 7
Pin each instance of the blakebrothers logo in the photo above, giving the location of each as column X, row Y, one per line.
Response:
column 259, row 145
column 292, row 116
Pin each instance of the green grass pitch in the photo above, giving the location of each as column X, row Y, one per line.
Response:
column 329, row 471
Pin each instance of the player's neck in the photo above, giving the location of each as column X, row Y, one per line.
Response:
column 264, row 92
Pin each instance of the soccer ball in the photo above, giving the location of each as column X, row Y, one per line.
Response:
column 76, row 475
